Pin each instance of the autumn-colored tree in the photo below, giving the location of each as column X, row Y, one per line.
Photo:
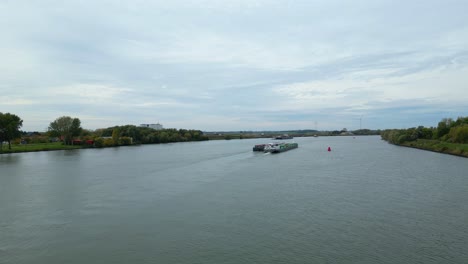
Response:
column 66, row 128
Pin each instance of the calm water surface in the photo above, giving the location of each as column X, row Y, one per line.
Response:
column 218, row 202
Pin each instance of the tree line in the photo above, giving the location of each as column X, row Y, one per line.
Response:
column 68, row 130
column 447, row 130
column 130, row 134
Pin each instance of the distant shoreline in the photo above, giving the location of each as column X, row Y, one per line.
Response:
column 460, row 150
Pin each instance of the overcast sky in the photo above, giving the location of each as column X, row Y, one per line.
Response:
column 235, row 65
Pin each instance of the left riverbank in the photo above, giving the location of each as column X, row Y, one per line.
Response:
column 19, row 148
column 128, row 135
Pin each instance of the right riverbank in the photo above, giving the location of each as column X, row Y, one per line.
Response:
column 449, row 137
column 439, row 146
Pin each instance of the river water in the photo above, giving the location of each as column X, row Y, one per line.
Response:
column 218, row 202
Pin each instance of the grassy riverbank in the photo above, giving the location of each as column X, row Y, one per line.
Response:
column 16, row 148
column 439, row 146
column 449, row 137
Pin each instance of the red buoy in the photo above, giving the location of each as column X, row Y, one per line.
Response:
column 329, row 149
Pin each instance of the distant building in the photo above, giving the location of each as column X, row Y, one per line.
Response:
column 153, row 126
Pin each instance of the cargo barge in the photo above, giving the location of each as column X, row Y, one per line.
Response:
column 279, row 147
column 259, row 147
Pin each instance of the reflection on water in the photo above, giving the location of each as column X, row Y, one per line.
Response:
column 219, row 202
column 9, row 158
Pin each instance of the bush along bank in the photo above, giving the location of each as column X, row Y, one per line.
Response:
column 450, row 137
column 101, row 138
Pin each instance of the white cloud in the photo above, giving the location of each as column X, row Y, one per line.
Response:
column 214, row 63
column 205, row 47
column 361, row 90
column 98, row 91
column 161, row 104
column 12, row 101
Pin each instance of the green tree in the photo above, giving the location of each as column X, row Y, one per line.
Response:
column 76, row 127
column 99, row 142
column 116, row 135
column 125, row 141
column 133, row 132
column 459, row 134
column 461, row 121
column 9, row 128
column 163, row 137
column 443, row 127
column 65, row 127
